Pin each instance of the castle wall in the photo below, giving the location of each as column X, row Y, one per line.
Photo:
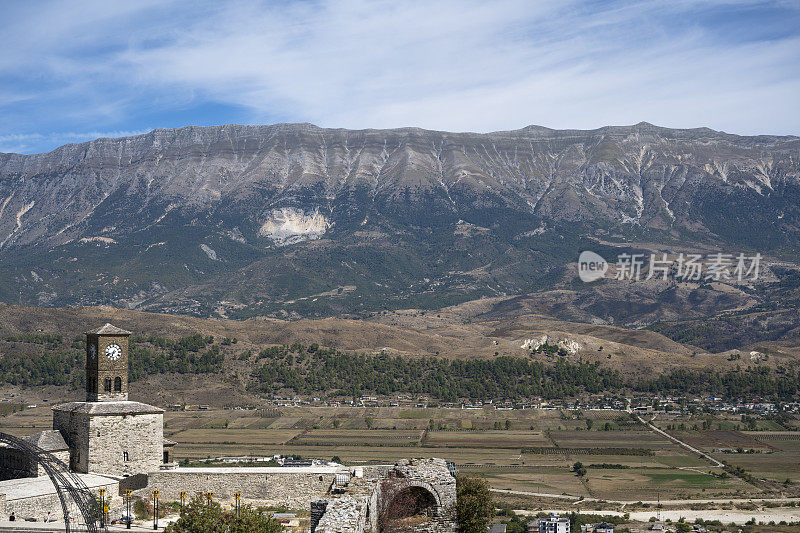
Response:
column 293, row 487
column 33, row 498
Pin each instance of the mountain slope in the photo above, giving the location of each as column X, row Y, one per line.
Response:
column 293, row 219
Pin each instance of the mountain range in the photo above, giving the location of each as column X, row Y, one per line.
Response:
column 293, row 220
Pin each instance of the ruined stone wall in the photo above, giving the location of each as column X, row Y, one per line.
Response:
column 432, row 474
column 359, row 510
column 292, row 487
column 347, row 514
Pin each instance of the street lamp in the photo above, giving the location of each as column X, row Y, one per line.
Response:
column 155, row 510
column 103, row 508
column 128, row 501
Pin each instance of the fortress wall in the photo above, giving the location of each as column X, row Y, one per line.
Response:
column 43, row 499
column 292, row 487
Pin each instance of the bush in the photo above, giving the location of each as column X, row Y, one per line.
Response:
column 210, row 518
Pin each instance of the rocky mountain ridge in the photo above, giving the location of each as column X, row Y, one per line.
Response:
column 247, row 220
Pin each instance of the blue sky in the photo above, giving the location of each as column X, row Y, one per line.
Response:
column 74, row 71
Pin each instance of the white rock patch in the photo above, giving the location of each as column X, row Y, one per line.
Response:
column 288, row 225
column 209, row 252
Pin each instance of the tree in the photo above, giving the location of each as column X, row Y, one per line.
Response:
column 210, row 518
column 589, row 424
column 579, row 469
column 474, row 505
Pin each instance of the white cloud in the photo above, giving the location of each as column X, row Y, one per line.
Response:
column 22, row 142
column 453, row 65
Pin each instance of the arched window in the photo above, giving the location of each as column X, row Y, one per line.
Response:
column 107, row 385
column 124, row 454
column 117, row 384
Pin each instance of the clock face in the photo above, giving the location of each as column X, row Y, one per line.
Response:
column 113, row 352
column 93, row 351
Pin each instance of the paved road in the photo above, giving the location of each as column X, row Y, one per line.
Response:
column 651, row 502
column 724, row 516
column 58, row 527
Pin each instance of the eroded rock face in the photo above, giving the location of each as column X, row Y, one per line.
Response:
column 288, row 225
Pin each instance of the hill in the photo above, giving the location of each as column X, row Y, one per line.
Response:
column 178, row 359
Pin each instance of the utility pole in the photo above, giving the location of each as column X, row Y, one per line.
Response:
column 658, row 507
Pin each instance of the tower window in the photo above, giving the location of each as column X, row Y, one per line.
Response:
column 125, row 456
column 117, row 384
column 107, row 385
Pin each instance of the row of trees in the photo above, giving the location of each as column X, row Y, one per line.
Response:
column 313, row 369
column 510, row 377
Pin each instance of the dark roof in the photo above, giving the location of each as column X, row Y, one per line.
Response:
column 49, row 440
column 108, row 408
column 108, row 329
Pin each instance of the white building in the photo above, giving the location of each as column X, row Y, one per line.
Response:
column 554, row 524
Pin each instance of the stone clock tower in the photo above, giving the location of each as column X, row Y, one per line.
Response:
column 108, row 434
column 107, row 364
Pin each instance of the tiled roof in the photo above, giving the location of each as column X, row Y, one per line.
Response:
column 108, row 408
column 49, row 440
column 108, row 329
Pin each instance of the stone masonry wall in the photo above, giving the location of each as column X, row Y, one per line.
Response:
column 140, row 435
column 15, row 463
column 75, row 428
column 347, row 514
column 274, row 486
column 38, row 506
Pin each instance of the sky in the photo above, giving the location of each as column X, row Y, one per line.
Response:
column 72, row 71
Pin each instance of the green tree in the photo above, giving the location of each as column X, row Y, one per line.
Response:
column 210, row 518
column 579, row 469
column 589, row 424
column 474, row 506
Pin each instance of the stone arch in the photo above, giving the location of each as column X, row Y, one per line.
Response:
column 69, row 487
column 404, row 498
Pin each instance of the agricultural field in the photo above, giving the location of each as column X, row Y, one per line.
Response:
column 530, row 452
